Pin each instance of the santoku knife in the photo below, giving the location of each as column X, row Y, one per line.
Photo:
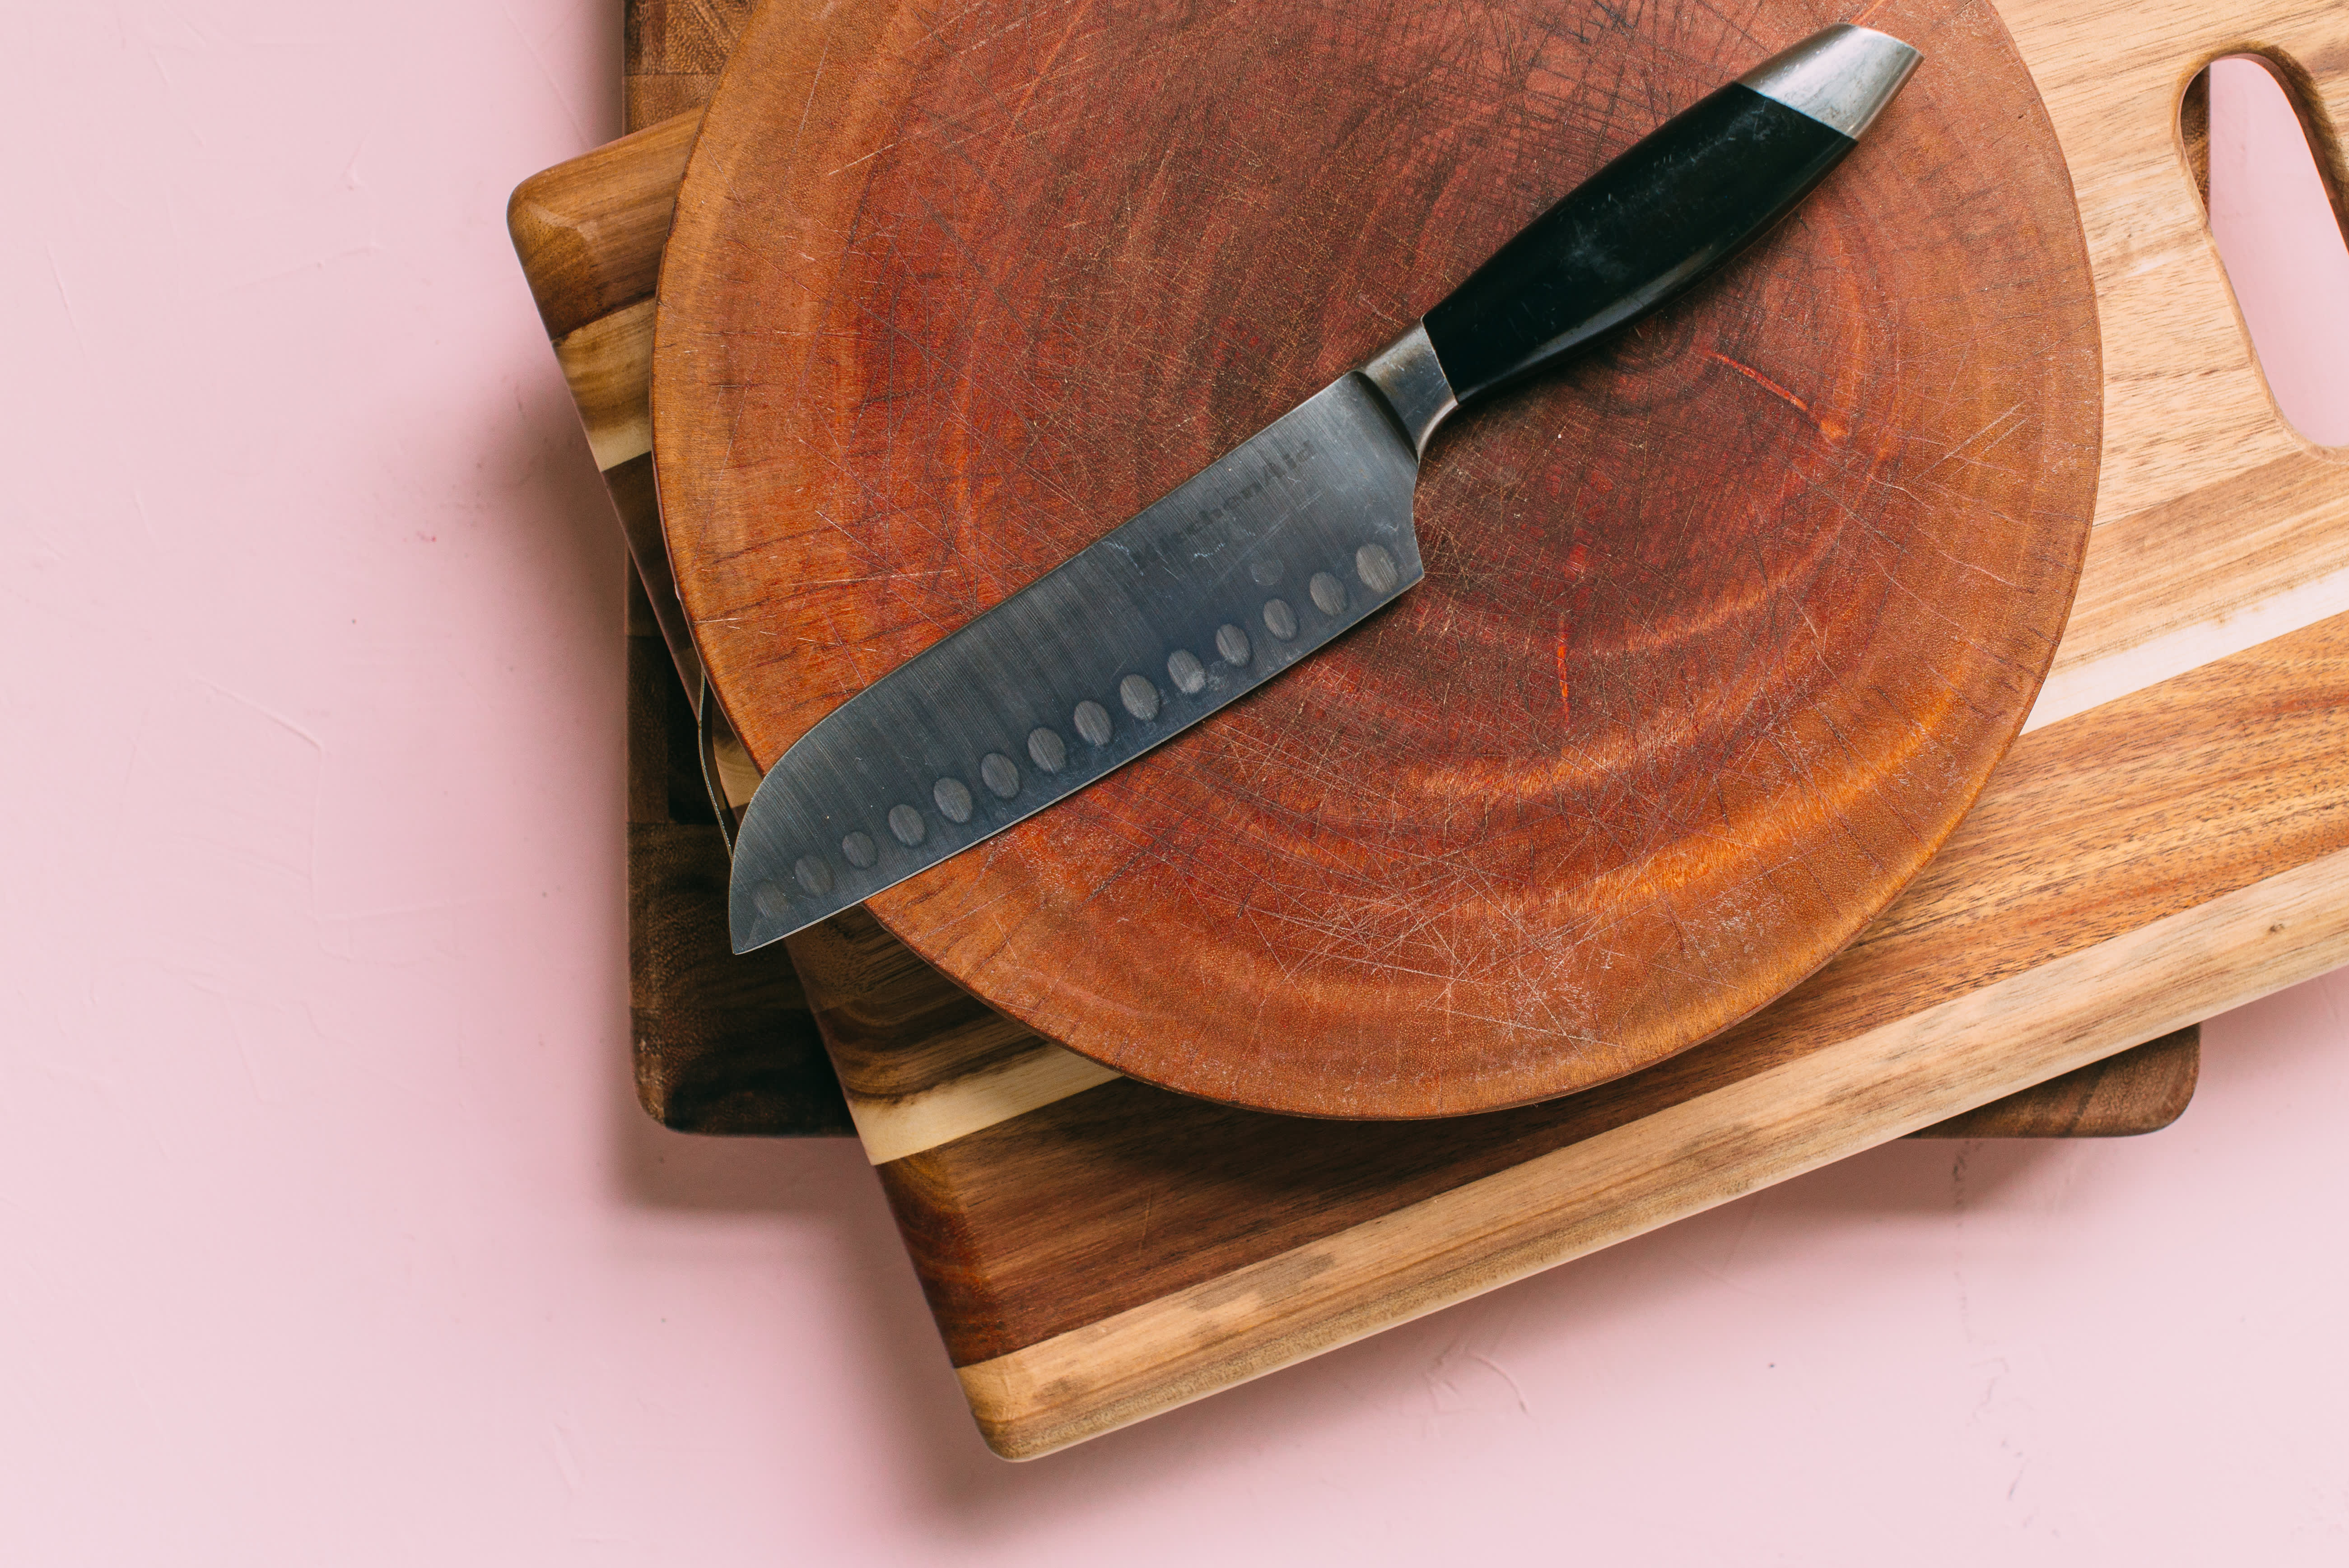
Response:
column 1292, row 537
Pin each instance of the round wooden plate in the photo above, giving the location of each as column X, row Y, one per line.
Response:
column 1724, row 629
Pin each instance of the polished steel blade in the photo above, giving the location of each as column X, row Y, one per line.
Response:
column 1284, row 543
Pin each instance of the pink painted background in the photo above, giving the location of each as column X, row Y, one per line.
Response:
column 331, row 1234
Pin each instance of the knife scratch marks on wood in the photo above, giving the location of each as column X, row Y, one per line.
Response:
column 823, row 55
column 1565, row 697
column 2005, row 423
column 853, row 162
column 1833, row 428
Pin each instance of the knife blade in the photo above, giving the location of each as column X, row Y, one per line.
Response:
column 1290, row 539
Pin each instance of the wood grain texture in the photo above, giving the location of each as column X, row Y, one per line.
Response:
column 720, row 1046
column 891, row 999
column 675, row 51
column 2140, row 1091
column 2217, row 798
column 1558, row 1205
column 924, row 1063
column 2146, row 808
column 2171, row 586
column 590, row 232
column 2185, row 407
column 607, row 364
column 2251, row 552
column 1723, row 629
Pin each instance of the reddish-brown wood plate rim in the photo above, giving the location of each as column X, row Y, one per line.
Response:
column 1724, row 629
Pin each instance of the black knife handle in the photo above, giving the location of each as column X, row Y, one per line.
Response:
column 1684, row 198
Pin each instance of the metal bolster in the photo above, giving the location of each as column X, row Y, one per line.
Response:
column 1411, row 380
column 1841, row 77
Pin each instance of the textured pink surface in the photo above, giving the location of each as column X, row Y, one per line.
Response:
column 332, row 1235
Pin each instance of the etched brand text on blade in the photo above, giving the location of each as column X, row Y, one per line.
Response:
column 1169, row 553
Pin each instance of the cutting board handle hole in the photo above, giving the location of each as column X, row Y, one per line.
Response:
column 2267, row 163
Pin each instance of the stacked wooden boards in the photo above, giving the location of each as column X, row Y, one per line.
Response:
column 1723, row 625
column 2165, row 839
column 728, row 1048
column 720, row 1045
column 2155, row 849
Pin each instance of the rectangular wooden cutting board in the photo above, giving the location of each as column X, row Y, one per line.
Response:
column 2166, row 841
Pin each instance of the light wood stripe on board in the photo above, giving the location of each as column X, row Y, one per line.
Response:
column 1832, row 1103
column 893, row 1129
column 609, row 364
column 2214, row 572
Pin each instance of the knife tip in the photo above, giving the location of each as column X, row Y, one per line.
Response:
column 748, row 927
column 752, row 934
